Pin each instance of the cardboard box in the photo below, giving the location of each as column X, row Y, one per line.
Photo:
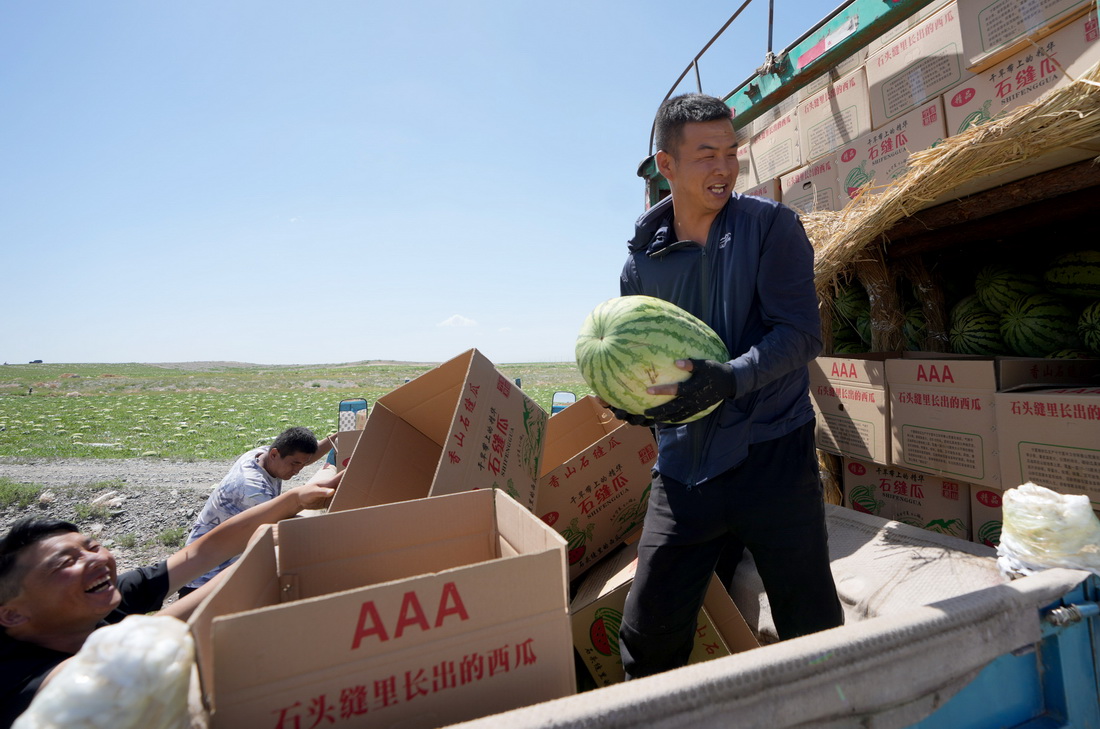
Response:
column 880, row 157
column 920, row 499
column 985, row 515
column 768, row 189
column 845, row 67
column 458, row 427
column 746, row 175
column 346, row 440
column 852, row 405
column 942, row 412
column 994, row 30
column 594, row 487
column 597, row 611
column 907, row 25
column 1024, row 77
column 775, row 149
column 834, row 116
column 415, row 614
column 916, row 66
column 1051, row 438
column 813, row 187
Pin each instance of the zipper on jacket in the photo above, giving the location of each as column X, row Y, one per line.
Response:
column 704, row 311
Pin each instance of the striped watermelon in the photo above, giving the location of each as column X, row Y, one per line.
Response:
column 1075, row 274
column 914, row 327
column 998, row 287
column 630, row 343
column 863, row 327
column 1088, row 327
column 852, row 301
column 1070, row 354
column 1039, row 324
column 846, row 340
column 977, row 333
column 967, row 305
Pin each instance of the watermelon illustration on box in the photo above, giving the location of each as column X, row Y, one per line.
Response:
column 597, row 612
column 922, row 500
column 986, row 516
column 594, row 486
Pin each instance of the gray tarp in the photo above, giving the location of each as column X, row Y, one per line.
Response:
column 924, row 614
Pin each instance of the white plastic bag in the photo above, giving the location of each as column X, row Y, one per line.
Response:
column 1042, row 528
column 133, row 675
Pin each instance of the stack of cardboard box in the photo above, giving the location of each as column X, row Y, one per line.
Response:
column 934, row 440
column 947, row 67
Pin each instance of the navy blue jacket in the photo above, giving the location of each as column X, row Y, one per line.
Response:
column 753, row 284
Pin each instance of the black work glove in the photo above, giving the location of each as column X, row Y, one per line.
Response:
column 710, row 382
column 631, row 418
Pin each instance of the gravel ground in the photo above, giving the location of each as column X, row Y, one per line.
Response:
column 140, row 499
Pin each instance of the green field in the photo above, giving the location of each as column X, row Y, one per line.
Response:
column 202, row 411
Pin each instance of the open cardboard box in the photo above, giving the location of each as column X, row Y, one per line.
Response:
column 597, row 610
column 594, row 487
column 459, row 427
column 418, row 614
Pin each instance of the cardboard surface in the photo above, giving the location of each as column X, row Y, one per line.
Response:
column 776, row 149
column 594, row 488
column 993, row 30
column 942, row 416
column 941, row 413
column 834, row 116
column 415, row 614
column 852, row 405
column 985, row 515
column 916, row 66
column 746, row 174
column 1051, row 438
column 813, row 187
column 768, row 189
column 459, row 427
column 906, row 25
column 596, row 613
column 878, row 158
column 919, row 499
column 1025, row 76
column 346, row 440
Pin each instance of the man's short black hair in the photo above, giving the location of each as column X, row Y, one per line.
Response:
column 681, row 110
column 24, row 533
column 295, row 440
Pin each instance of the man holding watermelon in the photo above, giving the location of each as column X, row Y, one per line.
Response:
column 744, row 476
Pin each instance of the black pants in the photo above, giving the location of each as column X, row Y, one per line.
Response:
column 771, row 504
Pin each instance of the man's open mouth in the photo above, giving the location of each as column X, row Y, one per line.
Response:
column 100, row 586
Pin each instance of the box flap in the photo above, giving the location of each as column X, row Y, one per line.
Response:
column 350, row 549
column 932, row 372
column 393, row 462
column 1025, row 373
column 428, row 403
column 575, row 428
column 865, row 369
column 251, row 582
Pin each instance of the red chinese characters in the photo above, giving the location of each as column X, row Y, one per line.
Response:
column 411, row 685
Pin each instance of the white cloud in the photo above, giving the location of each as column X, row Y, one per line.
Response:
column 504, row 330
column 457, row 321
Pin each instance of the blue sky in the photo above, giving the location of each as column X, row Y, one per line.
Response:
column 333, row 181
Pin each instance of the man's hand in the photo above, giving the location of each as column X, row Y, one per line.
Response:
column 620, row 414
column 710, row 382
column 318, row 491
